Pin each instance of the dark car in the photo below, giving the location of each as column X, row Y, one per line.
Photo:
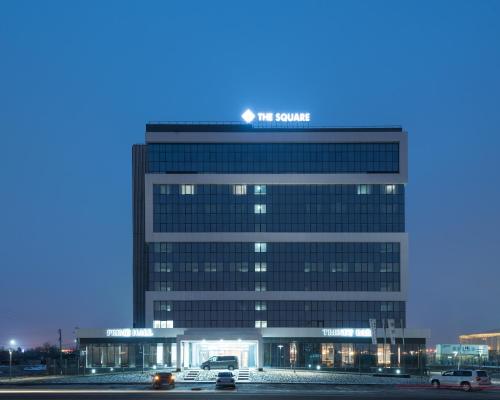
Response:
column 225, row 380
column 221, row 362
column 163, row 379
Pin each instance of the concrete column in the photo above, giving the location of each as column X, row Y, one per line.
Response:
column 179, row 354
column 260, row 356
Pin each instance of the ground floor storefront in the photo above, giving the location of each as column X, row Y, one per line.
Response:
column 308, row 348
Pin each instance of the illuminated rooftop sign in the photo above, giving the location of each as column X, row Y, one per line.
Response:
column 130, row 332
column 347, row 332
column 283, row 117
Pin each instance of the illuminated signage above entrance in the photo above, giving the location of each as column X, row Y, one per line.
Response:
column 130, row 332
column 347, row 332
column 283, row 117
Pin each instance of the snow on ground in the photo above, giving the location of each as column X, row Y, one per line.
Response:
column 268, row 376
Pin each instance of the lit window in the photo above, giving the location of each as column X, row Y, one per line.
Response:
column 260, row 267
column 259, row 189
column 261, row 324
column 307, row 267
column 170, row 323
column 163, row 324
column 260, row 286
column 364, row 189
column 156, row 324
column 390, row 189
column 239, row 189
column 260, row 209
column 260, row 306
column 187, row 189
column 260, row 247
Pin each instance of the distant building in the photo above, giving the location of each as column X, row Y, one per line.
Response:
column 467, row 354
column 488, row 338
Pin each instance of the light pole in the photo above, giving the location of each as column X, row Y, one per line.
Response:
column 12, row 343
column 280, row 346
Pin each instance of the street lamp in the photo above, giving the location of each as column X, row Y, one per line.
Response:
column 12, row 343
column 280, row 346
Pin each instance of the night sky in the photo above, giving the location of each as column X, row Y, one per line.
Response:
column 79, row 80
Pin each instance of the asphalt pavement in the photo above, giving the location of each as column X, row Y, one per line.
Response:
column 245, row 391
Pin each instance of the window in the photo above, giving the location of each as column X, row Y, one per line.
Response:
column 164, row 189
column 261, row 324
column 390, row 189
column 260, row 247
column 260, row 209
column 260, row 267
column 239, row 189
column 260, row 286
column 364, row 189
column 187, row 189
column 260, row 306
column 163, row 324
column 259, row 189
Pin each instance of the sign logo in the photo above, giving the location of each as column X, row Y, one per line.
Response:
column 127, row 332
column 248, row 116
column 347, row 332
column 283, row 117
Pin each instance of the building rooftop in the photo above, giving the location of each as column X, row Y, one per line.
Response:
column 241, row 127
column 490, row 333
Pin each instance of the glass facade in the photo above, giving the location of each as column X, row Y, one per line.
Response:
column 273, row 158
column 244, row 313
column 278, row 208
column 276, row 266
column 354, row 355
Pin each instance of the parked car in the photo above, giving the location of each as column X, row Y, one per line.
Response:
column 221, row 362
column 163, row 380
column 465, row 379
column 225, row 379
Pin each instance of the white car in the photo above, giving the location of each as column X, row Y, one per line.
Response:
column 465, row 379
column 225, row 379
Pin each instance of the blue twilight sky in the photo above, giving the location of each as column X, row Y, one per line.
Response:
column 79, row 80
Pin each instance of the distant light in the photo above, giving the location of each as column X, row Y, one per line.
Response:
column 12, row 342
column 398, row 371
column 280, row 346
column 154, row 366
column 111, row 369
column 93, row 371
column 318, row 367
column 380, row 370
column 221, row 340
column 239, row 340
column 309, row 366
column 203, row 340
column 248, row 116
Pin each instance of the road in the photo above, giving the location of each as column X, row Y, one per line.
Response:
column 244, row 392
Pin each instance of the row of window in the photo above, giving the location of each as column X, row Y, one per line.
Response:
column 259, row 190
column 262, row 314
column 319, row 248
column 280, row 305
column 259, row 266
column 386, row 285
column 273, row 157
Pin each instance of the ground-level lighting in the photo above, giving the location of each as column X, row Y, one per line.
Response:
column 93, row 371
column 318, row 367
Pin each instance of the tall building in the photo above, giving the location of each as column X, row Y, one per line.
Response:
column 274, row 244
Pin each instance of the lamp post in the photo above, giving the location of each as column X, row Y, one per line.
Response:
column 12, row 343
column 280, row 346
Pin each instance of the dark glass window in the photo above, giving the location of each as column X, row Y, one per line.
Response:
column 273, row 158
